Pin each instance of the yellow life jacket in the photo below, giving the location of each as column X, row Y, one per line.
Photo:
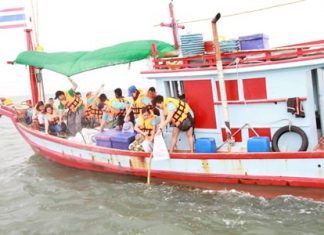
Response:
column 110, row 110
column 181, row 113
column 146, row 125
column 118, row 112
column 72, row 103
column 137, row 104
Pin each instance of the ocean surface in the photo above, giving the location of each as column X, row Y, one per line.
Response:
column 38, row 196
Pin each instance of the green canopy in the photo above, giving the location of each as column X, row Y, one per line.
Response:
column 71, row 63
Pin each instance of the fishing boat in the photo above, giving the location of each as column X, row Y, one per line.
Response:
column 239, row 99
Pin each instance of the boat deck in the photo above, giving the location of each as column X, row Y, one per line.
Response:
column 241, row 59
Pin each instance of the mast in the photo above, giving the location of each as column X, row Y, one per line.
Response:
column 32, row 74
column 222, row 87
column 174, row 25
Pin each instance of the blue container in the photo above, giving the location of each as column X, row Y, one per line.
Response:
column 114, row 139
column 252, row 42
column 205, row 145
column 103, row 139
column 258, row 144
column 229, row 45
column 122, row 140
column 192, row 44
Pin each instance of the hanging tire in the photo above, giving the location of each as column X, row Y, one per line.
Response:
column 285, row 129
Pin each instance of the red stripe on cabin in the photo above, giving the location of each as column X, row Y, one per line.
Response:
column 261, row 132
column 255, row 88
column 237, row 137
column 231, row 90
column 199, row 96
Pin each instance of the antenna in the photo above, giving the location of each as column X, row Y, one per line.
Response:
column 174, row 25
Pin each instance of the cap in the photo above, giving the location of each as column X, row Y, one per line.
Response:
column 131, row 90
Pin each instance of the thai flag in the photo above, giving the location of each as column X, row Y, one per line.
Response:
column 12, row 18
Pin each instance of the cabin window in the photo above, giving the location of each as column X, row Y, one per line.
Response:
column 255, row 88
column 231, row 90
column 174, row 89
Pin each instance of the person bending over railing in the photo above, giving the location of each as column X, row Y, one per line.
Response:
column 180, row 115
column 145, row 127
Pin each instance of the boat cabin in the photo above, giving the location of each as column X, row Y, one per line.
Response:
column 259, row 85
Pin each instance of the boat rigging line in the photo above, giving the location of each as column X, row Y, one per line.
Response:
column 242, row 12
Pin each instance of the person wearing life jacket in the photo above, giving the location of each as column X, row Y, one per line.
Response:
column 52, row 125
column 145, row 127
column 120, row 103
column 180, row 115
column 51, row 102
column 151, row 94
column 92, row 113
column 71, row 102
column 139, row 100
column 6, row 101
column 39, row 118
column 113, row 112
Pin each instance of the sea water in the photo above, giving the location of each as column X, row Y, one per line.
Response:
column 38, row 196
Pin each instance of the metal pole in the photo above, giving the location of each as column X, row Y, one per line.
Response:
column 222, row 87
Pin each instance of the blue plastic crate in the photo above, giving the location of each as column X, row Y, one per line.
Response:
column 122, row 140
column 229, row 45
column 205, row 145
column 192, row 44
column 255, row 41
column 258, row 144
column 103, row 139
column 114, row 139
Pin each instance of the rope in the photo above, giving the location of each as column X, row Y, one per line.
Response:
column 35, row 15
column 244, row 12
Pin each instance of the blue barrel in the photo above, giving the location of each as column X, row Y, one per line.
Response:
column 258, row 144
column 205, row 145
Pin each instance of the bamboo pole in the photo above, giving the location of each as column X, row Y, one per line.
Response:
column 149, row 170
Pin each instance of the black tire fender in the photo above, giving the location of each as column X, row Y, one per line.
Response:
column 285, row 129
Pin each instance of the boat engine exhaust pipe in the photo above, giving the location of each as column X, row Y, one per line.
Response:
column 219, row 65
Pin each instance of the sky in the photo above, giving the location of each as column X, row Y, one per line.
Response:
column 72, row 25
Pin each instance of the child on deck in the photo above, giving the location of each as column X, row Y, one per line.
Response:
column 128, row 125
column 53, row 125
column 38, row 122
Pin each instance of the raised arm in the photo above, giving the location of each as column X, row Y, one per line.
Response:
column 128, row 111
column 99, row 90
column 74, row 85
